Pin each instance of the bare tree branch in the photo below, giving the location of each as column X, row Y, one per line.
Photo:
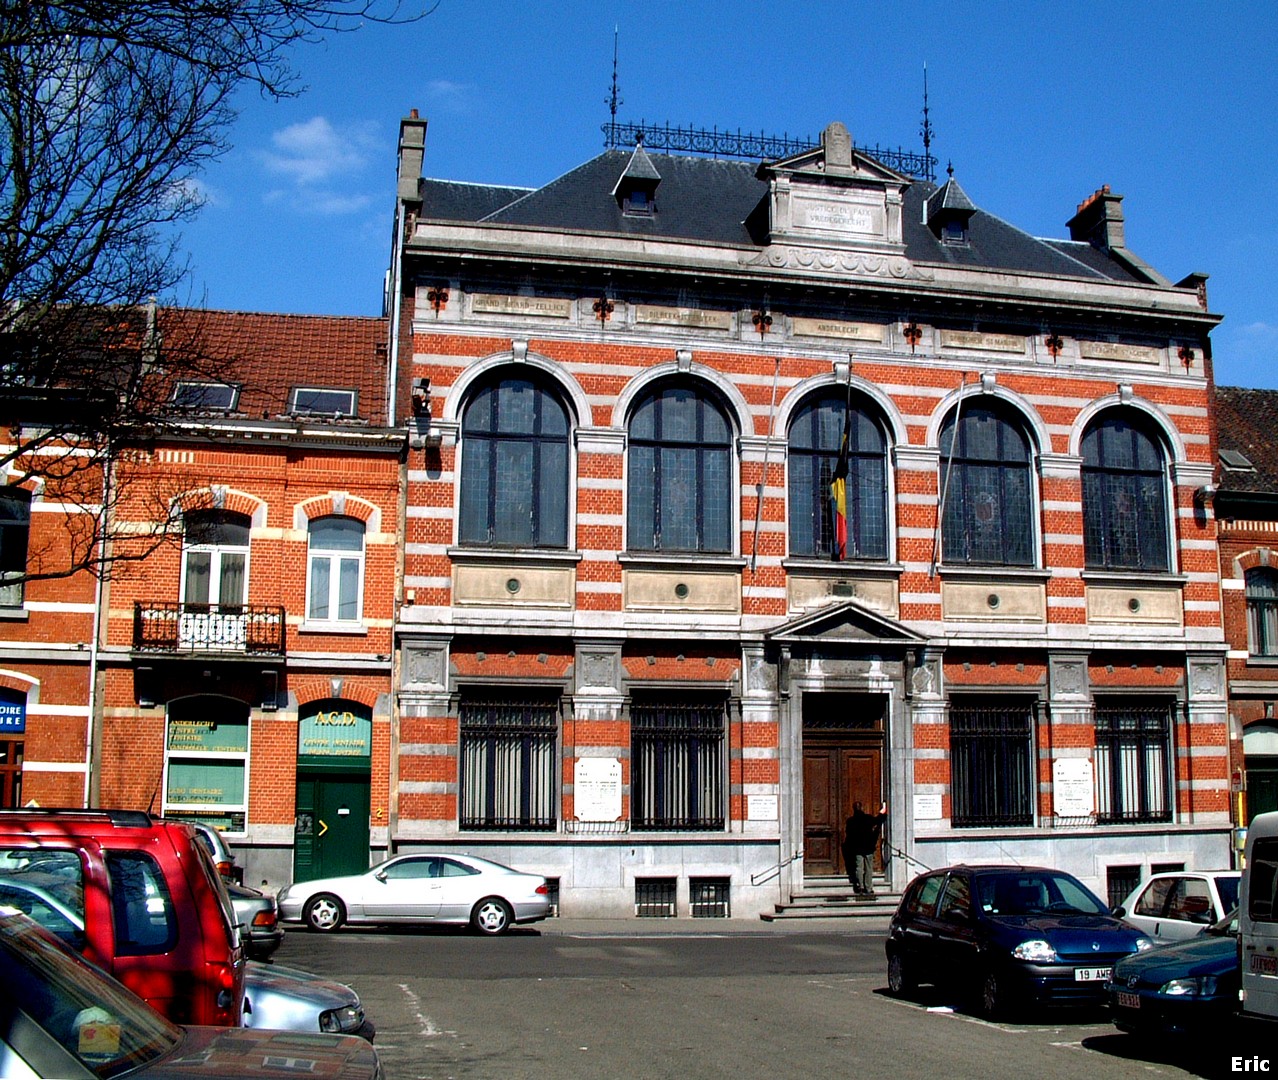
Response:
column 109, row 110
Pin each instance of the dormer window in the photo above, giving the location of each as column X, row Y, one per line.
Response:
column 947, row 212
column 636, row 189
column 308, row 399
column 205, row 395
column 637, row 202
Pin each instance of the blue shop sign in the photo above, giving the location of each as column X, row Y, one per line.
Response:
column 13, row 716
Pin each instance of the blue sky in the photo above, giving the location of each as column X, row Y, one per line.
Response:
column 1036, row 104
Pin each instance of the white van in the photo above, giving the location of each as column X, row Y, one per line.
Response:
column 1258, row 919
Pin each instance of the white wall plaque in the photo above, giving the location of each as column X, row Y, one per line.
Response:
column 833, row 328
column 596, row 789
column 762, row 808
column 927, row 806
column 547, row 306
column 1073, row 787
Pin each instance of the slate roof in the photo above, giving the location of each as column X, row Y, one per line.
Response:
column 268, row 355
column 1247, row 422
column 718, row 201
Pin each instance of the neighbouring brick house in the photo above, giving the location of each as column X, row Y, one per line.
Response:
column 244, row 667
column 1247, row 520
column 629, row 658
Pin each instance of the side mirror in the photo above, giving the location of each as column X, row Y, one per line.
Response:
column 380, row 875
column 1119, row 912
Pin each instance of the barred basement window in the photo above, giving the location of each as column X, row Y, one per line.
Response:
column 508, row 763
column 991, row 763
column 655, row 898
column 677, row 764
column 709, row 897
column 1133, row 754
column 1119, row 883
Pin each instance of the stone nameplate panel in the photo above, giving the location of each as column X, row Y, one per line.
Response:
column 680, row 590
column 828, row 216
column 993, row 602
column 692, row 318
column 878, row 594
column 544, row 306
column 872, row 333
column 1141, row 606
column 513, row 586
column 970, row 339
column 1113, row 350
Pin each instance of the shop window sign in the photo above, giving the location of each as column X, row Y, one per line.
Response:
column 13, row 717
column 211, row 783
column 335, row 732
column 208, row 735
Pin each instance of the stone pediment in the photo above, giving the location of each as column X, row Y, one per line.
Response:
column 847, row 621
column 835, row 196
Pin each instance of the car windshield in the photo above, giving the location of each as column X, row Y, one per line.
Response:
column 103, row 1025
column 1035, row 892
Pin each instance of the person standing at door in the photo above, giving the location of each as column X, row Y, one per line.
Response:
column 860, row 837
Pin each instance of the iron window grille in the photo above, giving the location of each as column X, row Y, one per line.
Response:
column 655, row 898
column 1262, row 612
column 709, row 898
column 679, row 495
column 508, row 764
column 677, row 765
column 1133, row 752
column 514, row 469
column 1124, row 498
column 815, row 437
column 987, row 512
column 991, row 764
column 1119, row 883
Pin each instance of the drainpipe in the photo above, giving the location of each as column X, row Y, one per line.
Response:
column 92, row 735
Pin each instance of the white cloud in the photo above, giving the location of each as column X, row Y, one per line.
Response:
column 446, row 96
column 315, row 152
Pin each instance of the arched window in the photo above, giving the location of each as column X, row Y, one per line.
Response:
column 680, row 472
column 514, row 473
column 986, row 489
column 215, row 550
column 1262, row 611
column 335, row 577
column 814, row 455
column 1124, row 496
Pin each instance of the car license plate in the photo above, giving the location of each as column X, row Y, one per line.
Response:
column 1264, row 965
column 1128, row 1001
column 1093, row 974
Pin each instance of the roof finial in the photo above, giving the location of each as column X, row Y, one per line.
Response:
column 949, row 170
column 926, row 130
column 613, row 99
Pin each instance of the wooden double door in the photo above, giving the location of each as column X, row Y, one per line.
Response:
column 842, row 765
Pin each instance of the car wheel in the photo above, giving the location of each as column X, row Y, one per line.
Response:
column 993, row 996
column 492, row 916
column 900, row 981
column 324, row 913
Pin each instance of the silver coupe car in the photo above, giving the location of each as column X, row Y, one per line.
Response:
column 421, row 888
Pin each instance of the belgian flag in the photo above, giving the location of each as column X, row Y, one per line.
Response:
column 839, row 489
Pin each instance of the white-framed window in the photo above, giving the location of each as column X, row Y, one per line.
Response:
column 335, row 570
column 15, row 528
column 215, row 565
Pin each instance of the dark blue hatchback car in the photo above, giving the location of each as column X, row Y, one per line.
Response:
column 1006, row 936
column 1186, row 987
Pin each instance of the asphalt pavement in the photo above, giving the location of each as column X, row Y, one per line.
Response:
column 648, row 927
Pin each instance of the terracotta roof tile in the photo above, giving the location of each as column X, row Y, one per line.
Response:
column 1247, row 422
column 268, row 355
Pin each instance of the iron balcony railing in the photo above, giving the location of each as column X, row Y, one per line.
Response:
column 224, row 628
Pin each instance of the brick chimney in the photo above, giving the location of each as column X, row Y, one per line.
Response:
column 412, row 149
column 1099, row 220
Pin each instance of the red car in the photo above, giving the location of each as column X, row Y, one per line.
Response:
column 155, row 913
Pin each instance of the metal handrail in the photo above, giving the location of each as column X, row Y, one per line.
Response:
column 908, row 858
column 227, row 628
column 775, row 869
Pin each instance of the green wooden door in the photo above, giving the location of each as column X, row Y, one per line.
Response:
column 332, row 824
